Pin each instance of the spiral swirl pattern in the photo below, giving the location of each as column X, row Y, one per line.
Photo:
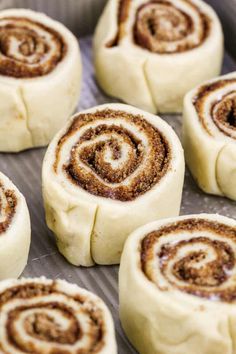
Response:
column 216, row 107
column 196, row 256
column 8, row 204
column 41, row 316
column 113, row 154
column 28, row 48
column 164, row 26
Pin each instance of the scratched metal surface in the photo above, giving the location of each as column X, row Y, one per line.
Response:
column 25, row 171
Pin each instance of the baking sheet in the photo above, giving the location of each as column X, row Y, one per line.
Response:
column 80, row 16
column 25, row 171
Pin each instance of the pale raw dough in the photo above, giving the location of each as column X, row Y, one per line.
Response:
column 150, row 81
column 210, row 152
column 32, row 110
column 54, row 310
column 90, row 228
column 15, row 230
column 160, row 318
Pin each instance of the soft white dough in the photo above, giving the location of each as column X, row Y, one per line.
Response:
column 32, row 110
column 210, row 158
column 15, row 240
column 91, row 229
column 150, row 81
column 62, row 295
column 170, row 320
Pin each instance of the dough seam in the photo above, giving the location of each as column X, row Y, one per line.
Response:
column 22, row 98
column 231, row 335
column 92, row 234
column 92, row 229
column 216, row 167
column 145, row 74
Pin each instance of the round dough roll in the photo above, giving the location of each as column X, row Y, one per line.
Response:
column 209, row 135
column 177, row 281
column 111, row 169
column 150, row 53
column 43, row 316
column 15, row 230
column 40, row 77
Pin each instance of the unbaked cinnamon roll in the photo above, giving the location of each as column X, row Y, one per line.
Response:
column 43, row 316
column 14, row 230
column 150, row 53
column 182, row 272
column 209, row 135
column 40, row 75
column 110, row 170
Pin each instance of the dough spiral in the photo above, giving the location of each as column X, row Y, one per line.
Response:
column 164, row 27
column 190, row 259
column 210, row 133
column 112, row 159
column 14, row 230
column 172, row 38
column 44, row 316
column 40, row 74
column 182, row 270
column 8, row 205
column 109, row 158
column 28, row 49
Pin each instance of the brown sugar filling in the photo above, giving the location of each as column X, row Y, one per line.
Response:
column 9, row 208
column 223, row 110
column 30, row 43
column 206, row 280
column 42, row 326
column 100, row 178
column 159, row 23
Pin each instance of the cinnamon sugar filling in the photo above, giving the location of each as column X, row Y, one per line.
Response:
column 223, row 110
column 25, row 50
column 40, row 324
column 7, row 208
column 193, row 273
column 130, row 178
column 161, row 27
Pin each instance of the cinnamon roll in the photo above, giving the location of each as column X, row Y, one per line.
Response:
column 14, row 230
column 111, row 169
column 150, row 53
column 209, row 135
column 182, row 272
column 40, row 75
column 45, row 316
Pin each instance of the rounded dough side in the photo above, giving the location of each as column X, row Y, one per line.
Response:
column 46, row 101
column 115, row 221
column 14, row 132
column 153, row 82
column 120, row 71
column 15, row 242
column 176, row 74
column 201, row 150
column 70, row 218
column 226, row 170
column 174, row 322
column 212, row 161
column 93, row 229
